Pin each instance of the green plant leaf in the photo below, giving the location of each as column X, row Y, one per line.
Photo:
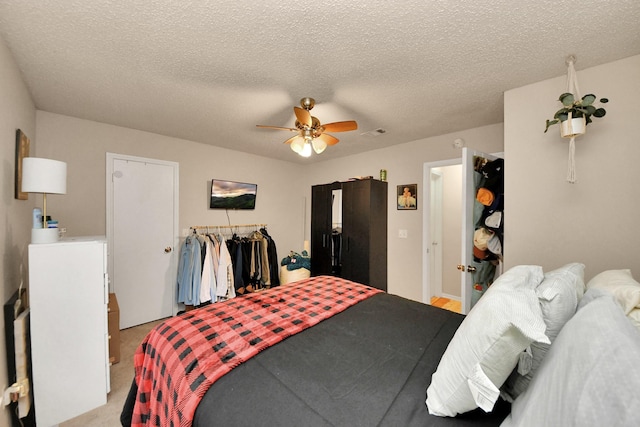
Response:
column 604, row 100
column 600, row 112
column 588, row 99
column 562, row 111
column 566, row 99
column 549, row 123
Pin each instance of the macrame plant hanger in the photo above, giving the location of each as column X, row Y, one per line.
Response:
column 572, row 87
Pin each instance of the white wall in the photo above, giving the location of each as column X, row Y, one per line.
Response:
column 17, row 111
column 550, row 222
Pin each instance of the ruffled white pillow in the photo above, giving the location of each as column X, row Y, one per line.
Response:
column 487, row 345
column 558, row 294
column 624, row 288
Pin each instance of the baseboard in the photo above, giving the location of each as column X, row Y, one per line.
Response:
column 451, row 297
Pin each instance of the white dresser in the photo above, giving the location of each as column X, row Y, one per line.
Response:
column 68, row 295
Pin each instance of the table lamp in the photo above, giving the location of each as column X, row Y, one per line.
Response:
column 44, row 176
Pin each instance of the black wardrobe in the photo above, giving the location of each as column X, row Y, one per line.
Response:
column 349, row 231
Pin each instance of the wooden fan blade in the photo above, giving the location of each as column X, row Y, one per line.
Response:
column 276, row 128
column 303, row 116
column 340, row 126
column 329, row 139
column 290, row 140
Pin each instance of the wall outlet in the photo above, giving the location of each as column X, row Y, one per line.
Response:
column 402, row 234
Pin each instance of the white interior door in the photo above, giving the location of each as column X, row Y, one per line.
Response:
column 142, row 235
column 468, row 224
column 435, row 228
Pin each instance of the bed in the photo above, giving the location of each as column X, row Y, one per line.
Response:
column 375, row 359
column 367, row 365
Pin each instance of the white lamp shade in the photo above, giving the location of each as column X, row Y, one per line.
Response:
column 319, row 145
column 297, row 145
column 44, row 176
column 306, row 150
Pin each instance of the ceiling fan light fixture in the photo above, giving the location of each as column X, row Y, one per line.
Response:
column 318, row 145
column 297, row 145
column 306, row 150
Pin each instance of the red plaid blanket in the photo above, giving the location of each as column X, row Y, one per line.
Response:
column 179, row 360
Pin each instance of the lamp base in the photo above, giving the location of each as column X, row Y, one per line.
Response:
column 44, row 235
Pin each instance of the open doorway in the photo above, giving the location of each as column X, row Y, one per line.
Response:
column 449, row 221
column 441, row 224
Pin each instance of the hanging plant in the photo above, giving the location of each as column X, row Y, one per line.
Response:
column 572, row 109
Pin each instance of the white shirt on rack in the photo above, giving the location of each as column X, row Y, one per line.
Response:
column 208, row 282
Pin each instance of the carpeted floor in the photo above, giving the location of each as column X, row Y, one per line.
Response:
column 447, row 304
column 121, row 376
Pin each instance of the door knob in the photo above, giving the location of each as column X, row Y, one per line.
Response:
column 471, row 269
column 167, row 249
column 460, row 267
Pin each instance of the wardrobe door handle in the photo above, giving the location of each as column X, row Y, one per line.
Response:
column 324, row 240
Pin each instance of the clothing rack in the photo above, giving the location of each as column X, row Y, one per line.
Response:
column 236, row 227
column 247, row 261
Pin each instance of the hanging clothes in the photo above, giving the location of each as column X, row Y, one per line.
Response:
column 209, row 280
column 225, row 288
column 215, row 254
column 214, row 268
column 261, row 247
column 336, row 251
column 189, row 271
column 235, row 250
column 247, row 265
column 272, row 258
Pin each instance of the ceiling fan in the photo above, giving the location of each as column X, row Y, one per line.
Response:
column 311, row 133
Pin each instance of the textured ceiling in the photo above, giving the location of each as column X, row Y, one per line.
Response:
column 210, row 71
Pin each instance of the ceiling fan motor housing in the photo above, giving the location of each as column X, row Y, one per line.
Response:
column 307, row 103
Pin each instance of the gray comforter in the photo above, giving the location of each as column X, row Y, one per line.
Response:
column 367, row 366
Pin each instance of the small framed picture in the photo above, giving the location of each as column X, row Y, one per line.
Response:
column 22, row 151
column 408, row 197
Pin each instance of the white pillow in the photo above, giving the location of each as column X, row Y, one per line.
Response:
column 486, row 346
column 520, row 277
column 622, row 285
column 558, row 295
column 634, row 316
column 590, row 376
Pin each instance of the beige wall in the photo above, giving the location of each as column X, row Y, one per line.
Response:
column 595, row 221
column 451, row 229
column 83, row 145
column 17, row 111
column 284, row 189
